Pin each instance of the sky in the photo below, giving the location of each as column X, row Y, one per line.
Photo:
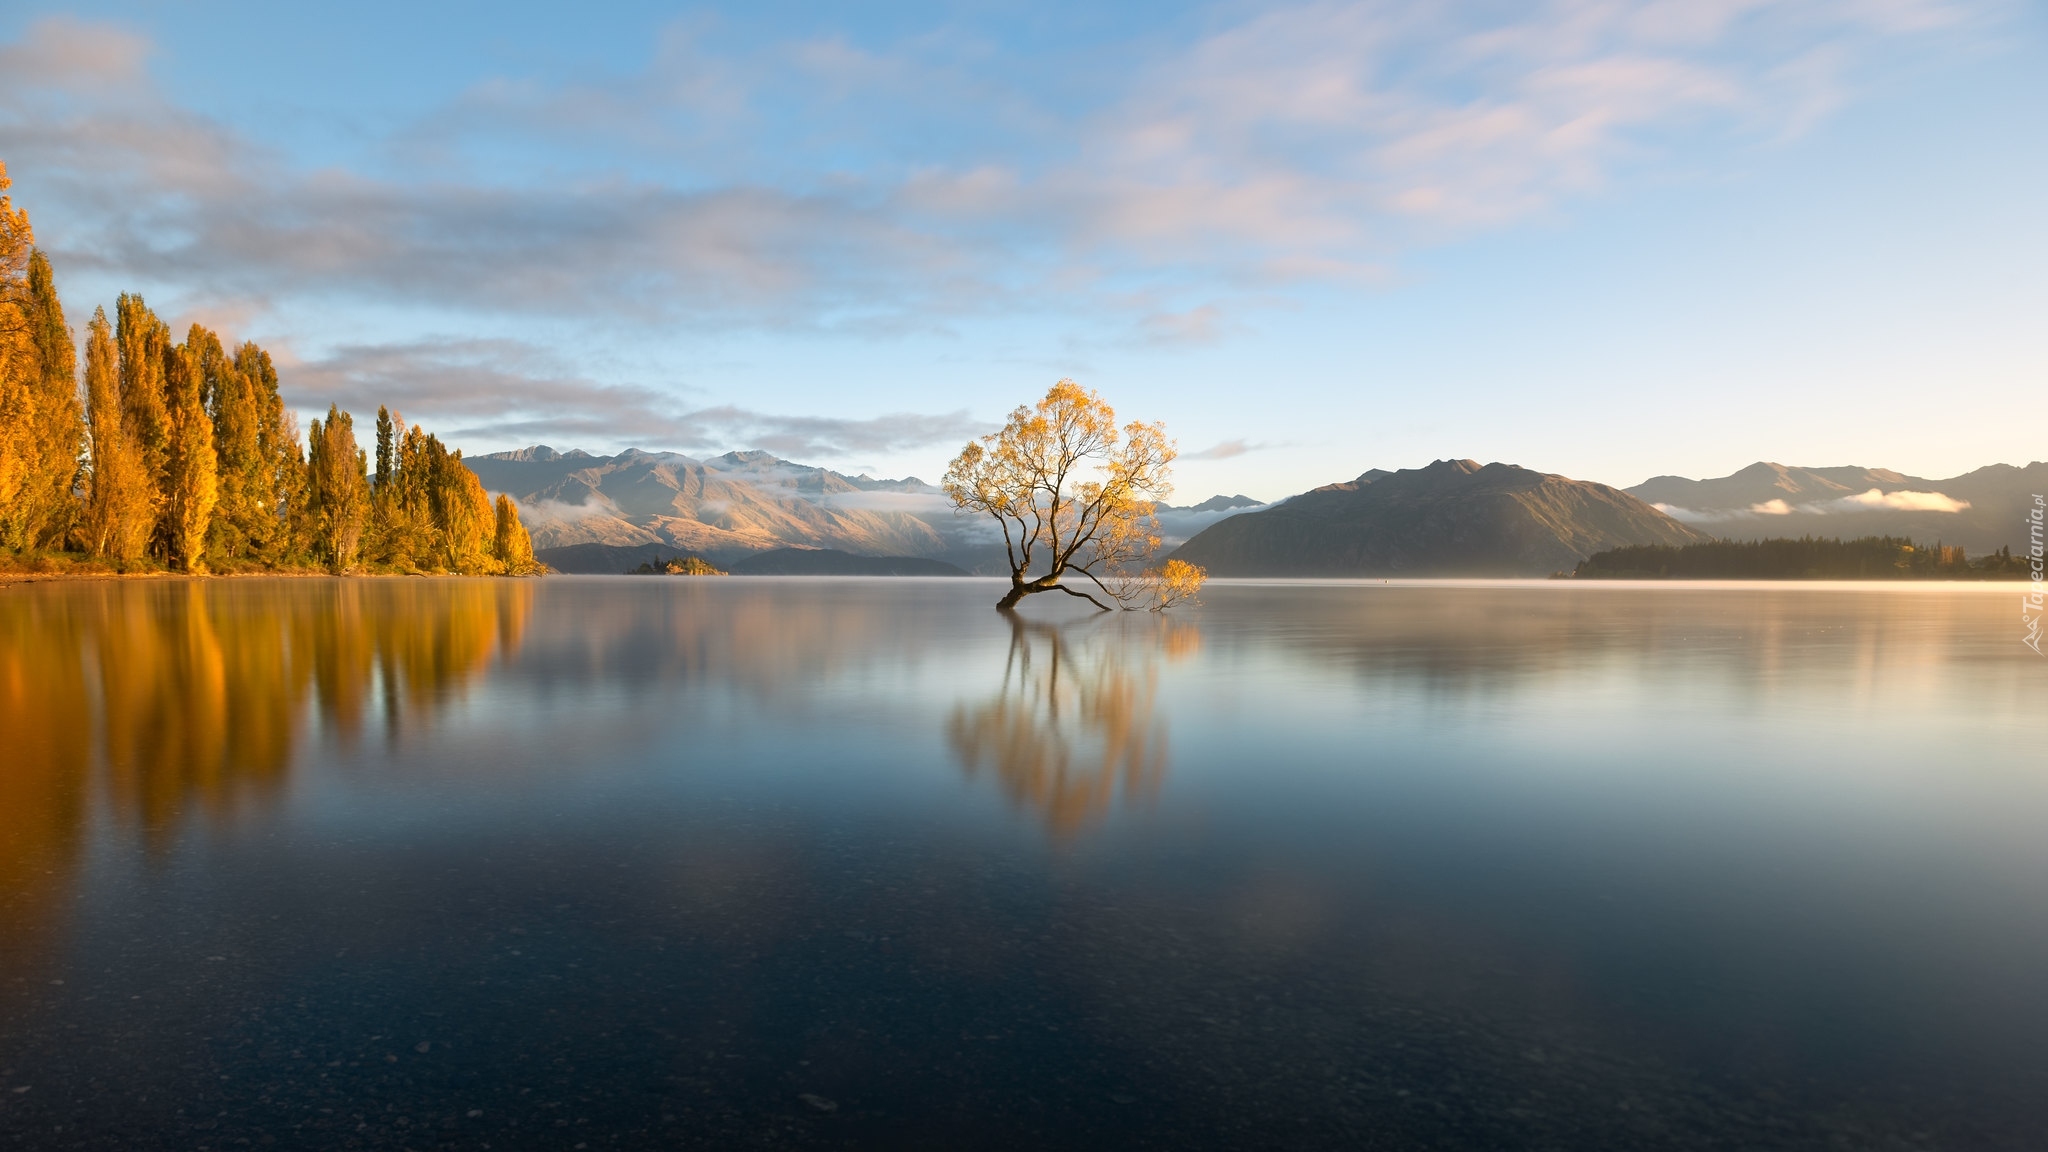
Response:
column 1604, row 238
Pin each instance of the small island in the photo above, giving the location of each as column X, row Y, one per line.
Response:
column 685, row 565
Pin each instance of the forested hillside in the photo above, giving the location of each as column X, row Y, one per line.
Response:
column 1807, row 558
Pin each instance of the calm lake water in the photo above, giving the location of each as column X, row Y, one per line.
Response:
column 791, row 863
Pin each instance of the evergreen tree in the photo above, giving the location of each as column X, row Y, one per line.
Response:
column 385, row 445
column 191, row 469
column 117, row 511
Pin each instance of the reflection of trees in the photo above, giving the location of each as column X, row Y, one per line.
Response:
column 1074, row 723
column 45, row 751
column 202, row 691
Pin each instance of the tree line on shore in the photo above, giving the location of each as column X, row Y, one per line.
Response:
column 1807, row 558
column 183, row 456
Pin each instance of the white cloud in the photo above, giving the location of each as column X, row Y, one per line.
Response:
column 508, row 390
column 1696, row 516
column 559, row 512
column 1875, row 500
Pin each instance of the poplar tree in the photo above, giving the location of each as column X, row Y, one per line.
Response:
column 246, row 519
column 117, row 509
column 191, row 470
column 58, row 430
column 405, row 508
column 187, row 453
column 144, row 344
column 513, row 547
column 19, row 368
column 279, row 471
column 462, row 511
column 338, row 489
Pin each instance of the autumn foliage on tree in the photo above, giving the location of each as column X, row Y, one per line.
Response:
column 183, row 456
column 1074, row 495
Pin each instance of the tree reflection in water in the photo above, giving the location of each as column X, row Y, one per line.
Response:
column 1075, row 723
column 191, row 697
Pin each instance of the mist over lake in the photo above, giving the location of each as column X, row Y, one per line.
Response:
column 722, row 862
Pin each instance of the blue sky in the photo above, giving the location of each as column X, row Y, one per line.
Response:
column 1601, row 238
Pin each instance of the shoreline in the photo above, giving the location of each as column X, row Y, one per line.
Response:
column 8, row 579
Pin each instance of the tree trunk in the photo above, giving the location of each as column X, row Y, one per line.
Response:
column 1017, row 591
column 1020, row 588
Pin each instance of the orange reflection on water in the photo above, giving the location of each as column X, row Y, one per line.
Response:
column 165, row 697
column 1075, row 723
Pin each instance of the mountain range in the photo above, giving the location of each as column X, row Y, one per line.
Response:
column 1453, row 517
column 729, row 507
column 1981, row 510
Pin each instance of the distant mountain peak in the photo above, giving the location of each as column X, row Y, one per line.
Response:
column 754, row 457
column 1449, row 517
column 1217, row 503
column 734, row 504
column 633, row 454
column 538, row 453
column 1467, row 467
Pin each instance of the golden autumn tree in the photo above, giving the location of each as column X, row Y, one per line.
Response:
column 513, row 547
column 185, row 454
column 279, row 471
column 1073, row 494
column 118, row 511
column 338, row 489
column 20, row 368
column 244, row 510
column 462, row 510
column 191, row 471
column 144, row 345
column 57, row 430
column 401, row 529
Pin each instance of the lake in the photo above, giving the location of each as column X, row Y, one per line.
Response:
column 638, row 863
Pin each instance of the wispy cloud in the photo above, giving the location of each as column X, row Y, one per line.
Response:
column 1224, row 450
column 823, row 184
column 509, row 390
column 808, row 437
column 1302, row 141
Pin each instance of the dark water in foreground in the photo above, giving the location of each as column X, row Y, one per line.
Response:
column 789, row 863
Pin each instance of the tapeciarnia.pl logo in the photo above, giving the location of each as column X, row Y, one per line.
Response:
column 2032, row 604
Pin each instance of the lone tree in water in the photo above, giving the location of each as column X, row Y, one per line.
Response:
column 1074, row 494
